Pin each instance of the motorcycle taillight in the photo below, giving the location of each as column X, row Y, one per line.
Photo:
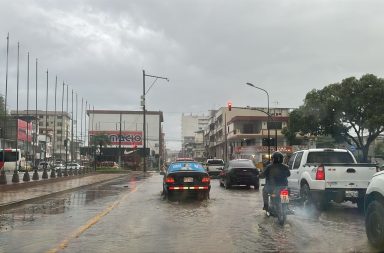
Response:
column 284, row 192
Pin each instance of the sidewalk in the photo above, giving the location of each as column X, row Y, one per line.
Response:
column 14, row 194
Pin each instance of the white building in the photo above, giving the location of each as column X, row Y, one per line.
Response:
column 190, row 125
column 129, row 126
column 57, row 128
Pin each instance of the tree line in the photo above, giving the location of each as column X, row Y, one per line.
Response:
column 351, row 111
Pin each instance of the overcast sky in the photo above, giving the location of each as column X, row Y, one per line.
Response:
column 208, row 49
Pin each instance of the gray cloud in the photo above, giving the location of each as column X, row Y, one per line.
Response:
column 208, row 49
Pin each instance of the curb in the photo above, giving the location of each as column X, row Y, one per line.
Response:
column 6, row 206
column 23, row 185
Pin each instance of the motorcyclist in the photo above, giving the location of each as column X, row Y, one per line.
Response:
column 276, row 175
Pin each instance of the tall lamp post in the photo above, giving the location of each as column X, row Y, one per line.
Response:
column 269, row 118
column 144, row 119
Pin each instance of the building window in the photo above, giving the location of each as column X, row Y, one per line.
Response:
column 248, row 128
column 40, row 123
column 59, row 117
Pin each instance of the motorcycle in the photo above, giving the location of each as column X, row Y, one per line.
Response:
column 278, row 205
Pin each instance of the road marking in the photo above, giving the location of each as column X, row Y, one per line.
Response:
column 62, row 245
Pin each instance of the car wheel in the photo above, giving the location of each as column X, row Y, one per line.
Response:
column 305, row 195
column 227, row 183
column 257, row 185
column 203, row 195
column 374, row 224
column 360, row 205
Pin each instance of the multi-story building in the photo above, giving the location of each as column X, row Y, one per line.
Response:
column 191, row 125
column 243, row 132
column 124, row 134
column 53, row 128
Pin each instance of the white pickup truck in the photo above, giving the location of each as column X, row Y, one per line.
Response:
column 321, row 175
column 214, row 166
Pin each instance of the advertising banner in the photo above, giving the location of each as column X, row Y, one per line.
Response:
column 22, row 131
column 112, row 138
column 262, row 149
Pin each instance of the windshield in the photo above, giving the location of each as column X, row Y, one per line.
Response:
column 215, row 162
column 186, row 167
column 329, row 157
column 150, row 104
column 9, row 156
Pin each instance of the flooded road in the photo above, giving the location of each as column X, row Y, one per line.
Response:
column 130, row 216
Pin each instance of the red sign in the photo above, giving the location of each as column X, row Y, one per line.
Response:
column 23, row 128
column 131, row 138
column 262, row 149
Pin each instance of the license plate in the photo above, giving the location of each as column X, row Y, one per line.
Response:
column 188, row 179
column 284, row 198
column 352, row 194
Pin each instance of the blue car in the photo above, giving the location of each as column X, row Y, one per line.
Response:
column 186, row 179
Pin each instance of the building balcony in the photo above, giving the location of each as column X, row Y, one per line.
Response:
column 238, row 135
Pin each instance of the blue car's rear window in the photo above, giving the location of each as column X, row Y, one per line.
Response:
column 183, row 166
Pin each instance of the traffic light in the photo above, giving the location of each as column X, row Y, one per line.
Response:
column 229, row 104
column 65, row 143
column 271, row 142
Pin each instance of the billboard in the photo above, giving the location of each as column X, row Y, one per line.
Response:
column 22, row 130
column 127, row 138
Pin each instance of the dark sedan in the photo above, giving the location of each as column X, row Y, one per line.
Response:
column 240, row 172
column 184, row 179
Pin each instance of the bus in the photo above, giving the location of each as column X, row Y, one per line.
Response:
column 10, row 157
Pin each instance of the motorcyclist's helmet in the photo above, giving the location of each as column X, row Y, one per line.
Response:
column 277, row 157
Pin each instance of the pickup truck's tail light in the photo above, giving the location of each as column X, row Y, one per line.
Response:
column 205, row 180
column 320, row 173
column 170, row 180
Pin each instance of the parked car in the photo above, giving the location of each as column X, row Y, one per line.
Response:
column 183, row 179
column 58, row 166
column 73, row 166
column 214, row 166
column 374, row 211
column 109, row 164
column 43, row 164
column 240, row 172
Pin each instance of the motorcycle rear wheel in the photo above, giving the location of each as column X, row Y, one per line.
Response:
column 281, row 213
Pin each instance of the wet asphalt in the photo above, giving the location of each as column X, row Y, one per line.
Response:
column 129, row 215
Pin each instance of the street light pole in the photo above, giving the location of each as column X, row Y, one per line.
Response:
column 144, row 117
column 269, row 118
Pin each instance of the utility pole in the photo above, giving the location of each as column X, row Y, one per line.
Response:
column 120, row 141
column 144, row 117
column 72, row 127
column 45, row 174
column 26, row 176
column 15, row 176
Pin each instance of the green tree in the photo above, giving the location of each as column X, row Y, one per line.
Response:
column 379, row 150
column 100, row 139
column 2, row 105
column 350, row 111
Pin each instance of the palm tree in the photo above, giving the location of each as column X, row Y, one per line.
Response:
column 100, row 140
